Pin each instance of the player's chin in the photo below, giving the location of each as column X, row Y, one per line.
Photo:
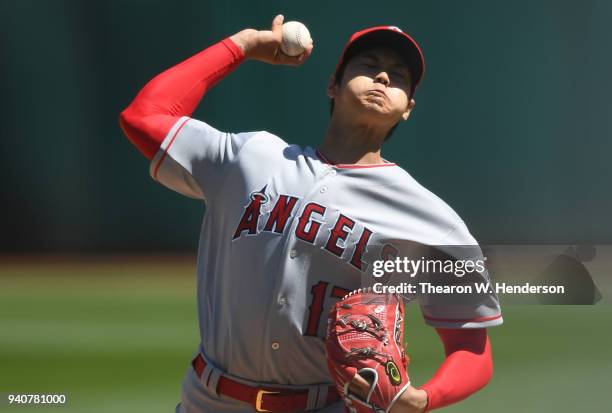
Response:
column 376, row 106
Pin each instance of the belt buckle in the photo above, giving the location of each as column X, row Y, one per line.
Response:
column 259, row 398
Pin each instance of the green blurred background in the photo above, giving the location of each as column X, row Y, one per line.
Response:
column 512, row 125
column 512, row 128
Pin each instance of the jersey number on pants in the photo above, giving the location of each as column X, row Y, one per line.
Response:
column 316, row 307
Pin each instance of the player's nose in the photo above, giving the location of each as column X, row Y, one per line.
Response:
column 382, row 77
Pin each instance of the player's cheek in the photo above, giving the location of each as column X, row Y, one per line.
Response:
column 399, row 100
column 404, row 98
column 357, row 86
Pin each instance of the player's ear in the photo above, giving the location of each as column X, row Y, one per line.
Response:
column 411, row 104
column 331, row 87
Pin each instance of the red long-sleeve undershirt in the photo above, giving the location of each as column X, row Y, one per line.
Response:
column 467, row 368
column 177, row 91
column 174, row 93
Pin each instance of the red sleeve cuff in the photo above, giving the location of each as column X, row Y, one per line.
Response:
column 233, row 48
column 467, row 368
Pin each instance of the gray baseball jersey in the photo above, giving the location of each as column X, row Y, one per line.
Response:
column 285, row 235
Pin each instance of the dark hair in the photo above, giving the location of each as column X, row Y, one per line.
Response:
column 338, row 80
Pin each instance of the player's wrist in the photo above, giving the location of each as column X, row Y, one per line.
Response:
column 413, row 400
column 246, row 40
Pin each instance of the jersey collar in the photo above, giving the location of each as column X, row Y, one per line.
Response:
column 352, row 165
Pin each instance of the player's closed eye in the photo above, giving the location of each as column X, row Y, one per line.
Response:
column 368, row 64
column 399, row 76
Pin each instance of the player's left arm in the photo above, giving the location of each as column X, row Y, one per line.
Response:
column 467, row 368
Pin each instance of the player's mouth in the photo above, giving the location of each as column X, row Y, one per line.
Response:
column 377, row 92
column 377, row 97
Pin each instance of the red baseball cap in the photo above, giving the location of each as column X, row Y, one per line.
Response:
column 389, row 36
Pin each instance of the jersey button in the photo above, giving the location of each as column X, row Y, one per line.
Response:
column 332, row 173
column 282, row 300
column 323, row 189
column 275, row 345
column 293, row 253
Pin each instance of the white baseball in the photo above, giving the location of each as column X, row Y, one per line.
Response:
column 296, row 38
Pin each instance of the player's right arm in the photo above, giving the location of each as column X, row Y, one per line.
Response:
column 174, row 94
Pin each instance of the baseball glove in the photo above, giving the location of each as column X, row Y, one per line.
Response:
column 365, row 333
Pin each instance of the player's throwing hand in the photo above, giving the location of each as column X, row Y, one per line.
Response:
column 265, row 45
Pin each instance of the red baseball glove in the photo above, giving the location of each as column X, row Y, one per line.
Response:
column 365, row 333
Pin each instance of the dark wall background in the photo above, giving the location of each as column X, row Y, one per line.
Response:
column 512, row 125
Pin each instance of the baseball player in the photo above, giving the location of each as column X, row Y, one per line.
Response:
column 288, row 231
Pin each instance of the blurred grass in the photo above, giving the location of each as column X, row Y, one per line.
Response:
column 117, row 336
